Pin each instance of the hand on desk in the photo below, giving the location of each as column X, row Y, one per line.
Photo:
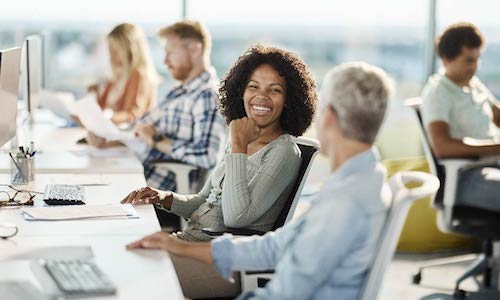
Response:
column 160, row 240
column 96, row 141
column 149, row 195
column 201, row 251
column 101, row 143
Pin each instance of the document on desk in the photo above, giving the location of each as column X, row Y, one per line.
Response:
column 79, row 212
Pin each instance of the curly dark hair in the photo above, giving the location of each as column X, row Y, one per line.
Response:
column 463, row 34
column 300, row 96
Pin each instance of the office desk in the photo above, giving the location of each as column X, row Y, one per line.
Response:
column 121, row 185
column 137, row 274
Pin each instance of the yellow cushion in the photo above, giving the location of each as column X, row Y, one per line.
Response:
column 420, row 232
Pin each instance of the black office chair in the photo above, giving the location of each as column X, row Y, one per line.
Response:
column 251, row 280
column 309, row 149
column 458, row 218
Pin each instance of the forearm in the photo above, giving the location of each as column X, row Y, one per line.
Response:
column 165, row 146
column 199, row 251
column 452, row 148
column 185, row 205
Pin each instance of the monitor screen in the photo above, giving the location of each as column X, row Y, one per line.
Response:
column 32, row 70
column 9, row 87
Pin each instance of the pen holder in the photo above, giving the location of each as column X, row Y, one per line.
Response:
column 22, row 170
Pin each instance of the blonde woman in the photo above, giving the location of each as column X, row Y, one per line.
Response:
column 131, row 91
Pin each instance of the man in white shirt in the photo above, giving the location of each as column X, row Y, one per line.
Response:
column 456, row 104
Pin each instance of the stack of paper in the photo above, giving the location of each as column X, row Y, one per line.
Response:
column 78, row 212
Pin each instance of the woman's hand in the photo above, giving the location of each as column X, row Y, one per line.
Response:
column 77, row 121
column 243, row 132
column 96, row 141
column 93, row 88
column 145, row 132
column 147, row 195
column 159, row 240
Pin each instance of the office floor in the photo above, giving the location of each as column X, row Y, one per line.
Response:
column 437, row 283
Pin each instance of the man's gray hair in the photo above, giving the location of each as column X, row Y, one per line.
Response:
column 358, row 92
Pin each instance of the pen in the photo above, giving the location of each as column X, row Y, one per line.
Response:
column 17, row 166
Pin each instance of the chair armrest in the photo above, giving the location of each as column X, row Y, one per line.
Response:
column 181, row 170
column 173, row 165
column 234, row 231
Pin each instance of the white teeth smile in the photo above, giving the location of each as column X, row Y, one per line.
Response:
column 261, row 108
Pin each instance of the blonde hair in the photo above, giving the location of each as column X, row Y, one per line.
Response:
column 132, row 47
column 189, row 29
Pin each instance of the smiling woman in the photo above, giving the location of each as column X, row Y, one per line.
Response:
column 267, row 96
column 283, row 75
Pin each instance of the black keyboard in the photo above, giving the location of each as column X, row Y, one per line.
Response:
column 79, row 278
column 64, row 194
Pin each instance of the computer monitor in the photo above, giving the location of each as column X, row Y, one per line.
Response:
column 32, row 70
column 9, row 88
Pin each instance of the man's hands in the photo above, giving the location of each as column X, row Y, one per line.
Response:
column 243, row 132
column 147, row 195
column 145, row 132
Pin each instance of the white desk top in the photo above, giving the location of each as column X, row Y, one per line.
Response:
column 137, row 274
column 74, row 162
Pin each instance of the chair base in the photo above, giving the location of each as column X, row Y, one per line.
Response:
column 480, row 265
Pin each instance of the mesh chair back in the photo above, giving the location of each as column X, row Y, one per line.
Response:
column 402, row 198
column 436, row 168
column 309, row 149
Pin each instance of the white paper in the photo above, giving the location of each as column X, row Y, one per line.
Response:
column 62, row 104
column 93, row 119
column 78, row 212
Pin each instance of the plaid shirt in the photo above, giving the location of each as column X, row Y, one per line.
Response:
column 189, row 117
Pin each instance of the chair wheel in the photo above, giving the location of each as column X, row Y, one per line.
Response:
column 459, row 294
column 416, row 278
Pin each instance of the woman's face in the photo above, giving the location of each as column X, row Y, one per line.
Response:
column 264, row 97
column 114, row 55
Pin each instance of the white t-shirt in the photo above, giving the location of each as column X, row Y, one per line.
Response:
column 466, row 110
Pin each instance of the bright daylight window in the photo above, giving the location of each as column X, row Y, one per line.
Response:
column 389, row 33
